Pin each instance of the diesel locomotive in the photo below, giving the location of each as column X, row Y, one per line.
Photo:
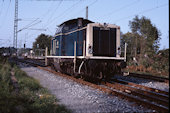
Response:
column 86, row 49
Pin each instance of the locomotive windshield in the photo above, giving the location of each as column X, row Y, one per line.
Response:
column 104, row 41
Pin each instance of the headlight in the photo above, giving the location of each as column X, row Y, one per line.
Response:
column 90, row 50
column 119, row 51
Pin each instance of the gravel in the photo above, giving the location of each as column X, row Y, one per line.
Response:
column 80, row 98
column 149, row 83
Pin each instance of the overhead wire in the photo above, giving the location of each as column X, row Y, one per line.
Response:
column 29, row 26
column 93, row 3
column 119, row 9
column 4, row 18
column 28, row 19
column 84, row 7
column 68, row 9
column 47, row 23
column 48, row 11
column 40, row 18
column 66, row 16
column 52, row 14
column 144, row 11
column 43, row 16
column 31, row 23
column 1, row 8
column 63, row 13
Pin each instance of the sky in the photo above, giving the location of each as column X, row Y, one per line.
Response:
column 43, row 16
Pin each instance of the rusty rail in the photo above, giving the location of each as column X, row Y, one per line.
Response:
column 142, row 87
column 138, row 92
column 145, row 76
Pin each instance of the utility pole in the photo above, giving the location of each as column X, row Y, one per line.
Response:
column 26, row 36
column 87, row 12
column 136, row 47
column 15, row 25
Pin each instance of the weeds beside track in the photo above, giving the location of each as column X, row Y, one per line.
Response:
column 30, row 97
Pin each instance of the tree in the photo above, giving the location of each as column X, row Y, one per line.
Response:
column 149, row 35
column 143, row 40
column 130, row 40
column 162, row 58
column 42, row 41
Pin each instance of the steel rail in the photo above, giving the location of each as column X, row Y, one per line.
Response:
column 138, row 92
column 145, row 76
column 142, row 87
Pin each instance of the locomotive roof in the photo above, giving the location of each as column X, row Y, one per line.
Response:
column 85, row 21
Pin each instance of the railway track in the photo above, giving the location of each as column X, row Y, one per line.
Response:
column 150, row 77
column 142, row 95
column 146, row 97
column 141, row 86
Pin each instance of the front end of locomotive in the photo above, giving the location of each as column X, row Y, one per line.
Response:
column 103, row 50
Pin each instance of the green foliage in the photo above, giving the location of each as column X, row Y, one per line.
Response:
column 147, row 34
column 5, row 87
column 143, row 44
column 26, row 81
column 161, row 61
column 129, row 38
column 31, row 96
column 143, row 40
column 43, row 41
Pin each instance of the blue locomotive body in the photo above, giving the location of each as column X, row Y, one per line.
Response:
column 70, row 32
column 65, row 44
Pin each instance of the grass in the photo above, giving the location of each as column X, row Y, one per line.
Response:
column 31, row 98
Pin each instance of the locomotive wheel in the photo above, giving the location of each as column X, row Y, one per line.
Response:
column 89, row 72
